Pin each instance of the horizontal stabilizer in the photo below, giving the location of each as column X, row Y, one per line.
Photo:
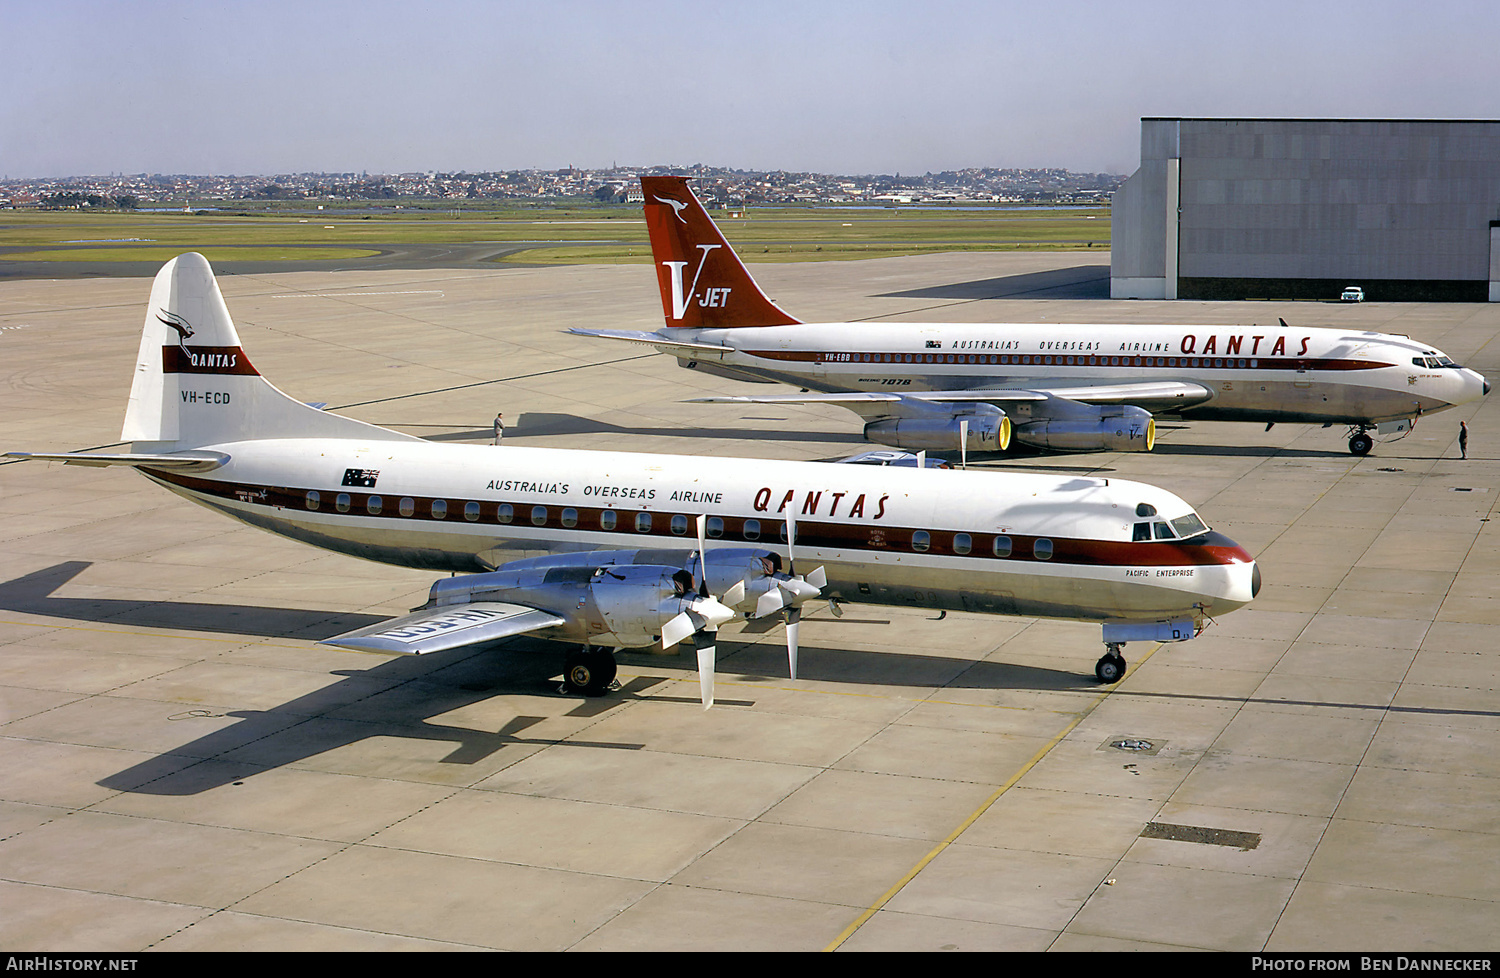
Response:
column 662, row 343
column 447, row 627
column 189, row 461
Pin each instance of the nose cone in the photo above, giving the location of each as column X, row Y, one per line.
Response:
column 1475, row 385
column 1229, row 577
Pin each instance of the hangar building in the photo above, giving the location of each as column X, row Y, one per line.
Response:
column 1406, row 209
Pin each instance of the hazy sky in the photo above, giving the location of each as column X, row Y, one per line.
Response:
column 212, row 86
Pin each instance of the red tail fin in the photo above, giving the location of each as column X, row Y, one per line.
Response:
column 703, row 282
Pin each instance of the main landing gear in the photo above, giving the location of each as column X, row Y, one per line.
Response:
column 588, row 672
column 1111, row 668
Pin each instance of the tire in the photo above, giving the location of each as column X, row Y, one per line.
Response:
column 589, row 673
column 1110, row 669
column 1360, row 444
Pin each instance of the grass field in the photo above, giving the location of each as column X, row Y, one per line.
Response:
column 553, row 235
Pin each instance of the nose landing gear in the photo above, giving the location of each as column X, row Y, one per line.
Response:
column 1111, row 668
column 1360, row 441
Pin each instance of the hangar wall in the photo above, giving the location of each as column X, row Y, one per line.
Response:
column 1301, row 208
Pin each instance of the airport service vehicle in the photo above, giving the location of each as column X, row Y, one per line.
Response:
column 1049, row 386
column 646, row 549
column 1352, row 294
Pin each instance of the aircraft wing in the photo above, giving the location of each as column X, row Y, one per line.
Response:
column 1154, row 396
column 448, row 627
column 189, row 461
column 683, row 348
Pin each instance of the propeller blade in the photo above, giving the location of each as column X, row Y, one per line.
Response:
column 770, row 602
column 681, row 626
column 793, row 617
column 706, row 655
column 702, row 557
column 735, row 596
column 963, row 444
column 818, row 578
column 791, row 540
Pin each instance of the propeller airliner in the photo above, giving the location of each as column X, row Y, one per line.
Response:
column 1052, row 387
column 643, row 549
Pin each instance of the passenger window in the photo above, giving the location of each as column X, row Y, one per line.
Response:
column 608, row 519
column 408, row 506
column 313, row 499
column 471, row 511
column 341, row 502
column 373, row 505
column 1002, row 546
column 962, row 543
column 715, row 527
column 920, row 541
column 1042, row 549
column 439, row 509
column 538, row 516
column 505, row 513
column 679, row 524
column 752, row 529
column 570, row 517
column 643, row 522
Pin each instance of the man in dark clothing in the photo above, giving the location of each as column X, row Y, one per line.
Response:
column 1463, row 439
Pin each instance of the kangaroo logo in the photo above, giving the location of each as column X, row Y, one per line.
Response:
column 717, row 297
column 183, row 328
column 678, row 206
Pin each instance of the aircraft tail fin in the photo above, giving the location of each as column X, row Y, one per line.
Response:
column 703, row 282
column 194, row 385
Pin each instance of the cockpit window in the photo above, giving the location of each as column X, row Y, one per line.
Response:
column 1163, row 531
column 1145, row 509
column 1189, row 525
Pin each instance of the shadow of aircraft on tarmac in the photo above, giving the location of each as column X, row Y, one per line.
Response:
column 401, row 698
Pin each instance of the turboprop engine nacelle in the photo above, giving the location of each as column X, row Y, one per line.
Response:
column 608, row 604
column 987, row 430
column 1116, row 428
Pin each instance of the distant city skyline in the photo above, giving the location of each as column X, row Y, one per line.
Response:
column 170, row 86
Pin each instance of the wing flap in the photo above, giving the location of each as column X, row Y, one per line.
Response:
column 447, row 627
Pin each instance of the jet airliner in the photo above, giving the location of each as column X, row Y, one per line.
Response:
column 1054, row 387
column 646, row 549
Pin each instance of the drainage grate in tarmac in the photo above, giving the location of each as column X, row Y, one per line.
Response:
column 1196, row 833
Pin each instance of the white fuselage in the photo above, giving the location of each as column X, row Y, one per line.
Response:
column 993, row 542
column 1260, row 373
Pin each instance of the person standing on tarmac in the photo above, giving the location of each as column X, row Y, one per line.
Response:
column 1463, row 439
column 499, row 427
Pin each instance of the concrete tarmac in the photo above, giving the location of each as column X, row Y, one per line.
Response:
column 183, row 768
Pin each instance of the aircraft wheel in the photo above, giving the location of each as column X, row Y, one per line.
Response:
column 589, row 673
column 1360, row 444
column 1110, row 669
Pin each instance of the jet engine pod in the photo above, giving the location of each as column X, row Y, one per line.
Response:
column 1114, row 428
column 985, row 428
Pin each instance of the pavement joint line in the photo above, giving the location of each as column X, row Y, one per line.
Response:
column 974, row 816
column 497, row 380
